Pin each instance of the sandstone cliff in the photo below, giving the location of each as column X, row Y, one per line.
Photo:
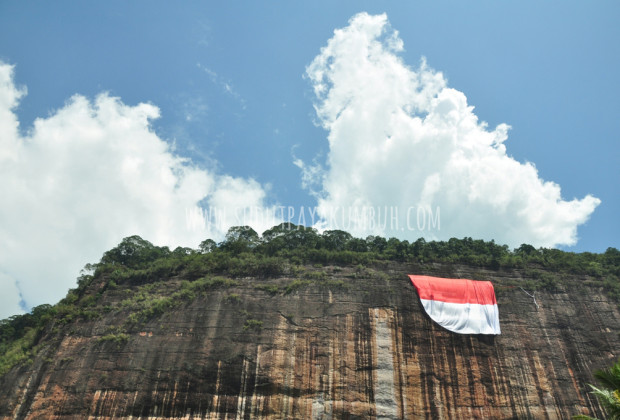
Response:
column 347, row 342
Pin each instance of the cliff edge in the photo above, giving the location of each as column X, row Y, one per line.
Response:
column 321, row 340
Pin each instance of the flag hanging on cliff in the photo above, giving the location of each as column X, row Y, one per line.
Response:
column 459, row 305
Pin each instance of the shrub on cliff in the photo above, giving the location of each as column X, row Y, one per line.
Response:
column 136, row 264
column 609, row 392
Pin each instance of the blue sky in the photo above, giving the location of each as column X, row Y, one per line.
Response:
column 236, row 99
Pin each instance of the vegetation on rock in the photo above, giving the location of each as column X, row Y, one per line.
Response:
column 154, row 279
column 609, row 392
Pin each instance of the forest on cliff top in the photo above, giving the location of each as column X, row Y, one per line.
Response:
column 137, row 266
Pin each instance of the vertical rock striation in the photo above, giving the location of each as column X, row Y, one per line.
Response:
column 363, row 349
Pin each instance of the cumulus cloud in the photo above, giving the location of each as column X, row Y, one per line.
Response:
column 90, row 174
column 403, row 143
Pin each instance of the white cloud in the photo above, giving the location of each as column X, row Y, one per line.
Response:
column 10, row 296
column 224, row 84
column 85, row 177
column 311, row 175
column 400, row 137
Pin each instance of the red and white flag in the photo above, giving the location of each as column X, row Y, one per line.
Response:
column 459, row 305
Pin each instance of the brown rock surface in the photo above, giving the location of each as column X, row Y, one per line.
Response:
column 360, row 348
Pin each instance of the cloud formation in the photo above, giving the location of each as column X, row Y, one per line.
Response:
column 90, row 174
column 400, row 137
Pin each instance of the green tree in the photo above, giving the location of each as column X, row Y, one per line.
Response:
column 134, row 252
column 418, row 248
column 240, row 239
column 357, row 245
column 278, row 231
column 288, row 236
column 182, row 251
column 396, row 249
column 208, row 245
column 376, row 243
column 525, row 249
column 336, row 240
column 609, row 392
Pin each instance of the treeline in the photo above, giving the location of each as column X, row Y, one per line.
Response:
column 282, row 250
column 299, row 244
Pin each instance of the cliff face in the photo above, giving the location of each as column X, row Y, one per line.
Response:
column 357, row 344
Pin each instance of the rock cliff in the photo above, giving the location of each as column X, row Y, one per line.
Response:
column 331, row 342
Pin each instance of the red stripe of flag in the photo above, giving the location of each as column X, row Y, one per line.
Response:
column 454, row 290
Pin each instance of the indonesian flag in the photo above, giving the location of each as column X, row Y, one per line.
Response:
column 459, row 305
